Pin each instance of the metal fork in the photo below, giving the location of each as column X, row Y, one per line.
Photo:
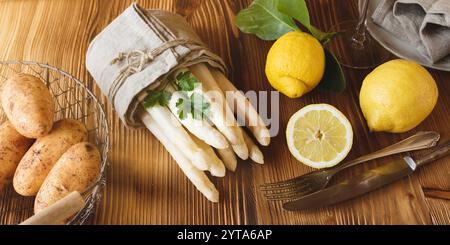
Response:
column 317, row 180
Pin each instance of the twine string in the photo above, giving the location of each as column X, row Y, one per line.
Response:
column 136, row 61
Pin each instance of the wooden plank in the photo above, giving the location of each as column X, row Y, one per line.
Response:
column 144, row 184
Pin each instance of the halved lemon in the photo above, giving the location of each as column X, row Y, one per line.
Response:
column 319, row 136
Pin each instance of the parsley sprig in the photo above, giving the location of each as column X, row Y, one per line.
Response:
column 186, row 82
column 157, row 98
column 193, row 103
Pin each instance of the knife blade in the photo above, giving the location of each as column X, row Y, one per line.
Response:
column 365, row 182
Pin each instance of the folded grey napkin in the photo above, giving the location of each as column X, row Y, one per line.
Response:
column 423, row 23
column 138, row 51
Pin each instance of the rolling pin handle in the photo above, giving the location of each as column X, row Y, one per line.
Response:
column 59, row 212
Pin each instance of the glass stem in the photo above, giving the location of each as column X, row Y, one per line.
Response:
column 359, row 38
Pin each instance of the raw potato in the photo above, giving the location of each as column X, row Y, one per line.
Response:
column 12, row 148
column 28, row 105
column 76, row 170
column 43, row 154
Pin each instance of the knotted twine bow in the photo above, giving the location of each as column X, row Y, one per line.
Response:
column 137, row 60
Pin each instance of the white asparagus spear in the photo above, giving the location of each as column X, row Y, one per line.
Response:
column 217, row 167
column 174, row 130
column 197, row 177
column 210, row 87
column 241, row 151
column 221, row 114
column 202, row 129
column 255, row 153
column 244, row 107
column 228, row 157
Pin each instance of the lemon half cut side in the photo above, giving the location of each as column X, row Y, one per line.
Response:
column 319, row 136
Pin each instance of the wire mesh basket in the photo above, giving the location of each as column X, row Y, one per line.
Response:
column 72, row 100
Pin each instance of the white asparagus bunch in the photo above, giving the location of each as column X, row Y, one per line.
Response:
column 193, row 142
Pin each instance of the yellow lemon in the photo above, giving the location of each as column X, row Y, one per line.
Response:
column 397, row 96
column 319, row 136
column 295, row 64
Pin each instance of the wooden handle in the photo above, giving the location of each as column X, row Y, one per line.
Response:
column 435, row 193
column 440, row 152
column 59, row 212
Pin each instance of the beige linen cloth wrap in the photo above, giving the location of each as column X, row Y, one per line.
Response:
column 138, row 51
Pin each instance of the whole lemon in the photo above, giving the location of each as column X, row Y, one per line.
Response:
column 295, row 64
column 397, row 96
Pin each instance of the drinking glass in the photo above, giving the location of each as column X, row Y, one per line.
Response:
column 354, row 47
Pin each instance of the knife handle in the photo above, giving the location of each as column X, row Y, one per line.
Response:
column 440, row 152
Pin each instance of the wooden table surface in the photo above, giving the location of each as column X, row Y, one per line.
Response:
column 145, row 186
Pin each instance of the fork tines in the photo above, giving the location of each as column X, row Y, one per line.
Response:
column 287, row 190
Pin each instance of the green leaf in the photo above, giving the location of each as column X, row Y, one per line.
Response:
column 263, row 19
column 334, row 78
column 165, row 98
column 200, row 107
column 157, row 97
column 196, row 105
column 299, row 10
column 183, row 75
column 323, row 37
column 151, row 99
column 186, row 82
column 296, row 9
column 183, row 108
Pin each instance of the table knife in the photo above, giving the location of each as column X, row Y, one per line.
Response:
column 368, row 181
